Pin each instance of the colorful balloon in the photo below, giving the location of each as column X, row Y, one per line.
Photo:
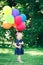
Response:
column 18, row 20
column 14, row 25
column 10, row 19
column 7, row 10
column 15, row 12
column 21, row 27
column 13, row 19
column 23, row 17
column 6, row 25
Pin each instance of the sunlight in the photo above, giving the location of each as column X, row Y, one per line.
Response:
column 6, row 51
column 34, row 52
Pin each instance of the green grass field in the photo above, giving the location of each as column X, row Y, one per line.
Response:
column 30, row 57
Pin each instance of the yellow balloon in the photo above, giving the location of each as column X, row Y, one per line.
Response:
column 7, row 10
column 4, row 16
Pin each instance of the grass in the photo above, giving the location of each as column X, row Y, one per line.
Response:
column 30, row 57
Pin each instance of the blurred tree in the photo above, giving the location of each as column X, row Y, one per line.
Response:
column 11, row 3
column 33, row 35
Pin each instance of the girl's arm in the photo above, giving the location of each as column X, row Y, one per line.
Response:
column 16, row 45
column 22, row 43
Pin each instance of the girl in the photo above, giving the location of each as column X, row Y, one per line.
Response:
column 19, row 46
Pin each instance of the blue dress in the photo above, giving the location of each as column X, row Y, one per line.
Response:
column 17, row 50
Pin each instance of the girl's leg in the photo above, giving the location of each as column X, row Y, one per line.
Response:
column 19, row 59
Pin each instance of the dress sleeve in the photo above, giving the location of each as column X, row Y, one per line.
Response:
column 15, row 41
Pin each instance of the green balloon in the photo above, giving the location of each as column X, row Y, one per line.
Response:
column 10, row 19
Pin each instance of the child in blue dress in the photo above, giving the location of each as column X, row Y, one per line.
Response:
column 19, row 45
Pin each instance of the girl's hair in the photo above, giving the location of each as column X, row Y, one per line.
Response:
column 18, row 31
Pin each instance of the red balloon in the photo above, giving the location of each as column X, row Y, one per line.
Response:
column 21, row 27
column 18, row 20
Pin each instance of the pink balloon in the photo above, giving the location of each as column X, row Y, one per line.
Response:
column 21, row 27
column 18, row 20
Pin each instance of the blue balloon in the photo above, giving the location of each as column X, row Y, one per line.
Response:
column 23, row 17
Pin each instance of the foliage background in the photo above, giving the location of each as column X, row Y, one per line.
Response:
column 33, row 34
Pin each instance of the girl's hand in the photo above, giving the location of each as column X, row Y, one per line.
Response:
column 19, row 47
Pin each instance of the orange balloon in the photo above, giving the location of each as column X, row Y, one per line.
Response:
column 14, row 25
column 6, row 25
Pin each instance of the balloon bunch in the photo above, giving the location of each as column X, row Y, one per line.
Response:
column 13, row 18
